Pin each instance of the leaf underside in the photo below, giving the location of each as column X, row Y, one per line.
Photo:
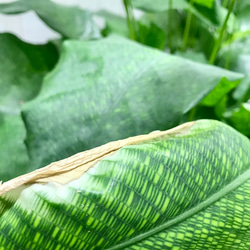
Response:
column 130, row 197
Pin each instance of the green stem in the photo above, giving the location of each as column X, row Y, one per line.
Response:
column 187, row 26
column 218, row 41
column 130, row 19
column 192, row 114
column 170, row 7
column 228, row 58
column 229, row 53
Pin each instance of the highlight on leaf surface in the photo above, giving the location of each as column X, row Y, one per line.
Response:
column 185, row 188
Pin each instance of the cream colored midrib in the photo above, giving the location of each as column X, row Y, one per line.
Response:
column 73, row 167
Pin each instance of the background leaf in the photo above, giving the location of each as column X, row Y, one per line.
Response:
column 162, row 5
column 219, row 92
column 14, row 159
column 70, row 22
column 235, row 55
column 83, row 104
column 164, row 20
column 240, row 118
column 21, row 73
column 242, row 92
column 151, row 35
column 193, row 56
column 23, row 70
column 241, row 6
column 147, row 33
column 244, row 19
column 159, row 5
column 208, row 3
column 114, row 23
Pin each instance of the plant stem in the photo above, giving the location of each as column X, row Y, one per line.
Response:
column 170, row 7
column 187, row 26
column 192, row 114
column 130, row 19
column 228, row 57
column 218, row 41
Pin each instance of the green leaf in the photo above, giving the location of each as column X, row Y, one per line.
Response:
column 96, row 95
column 241, row 6
column 151, row 35
column 70, row 22
column 207, row 3
column 23, row 70
column 233, row 23
column 240, row 118
column 242, row 92
column 14, row 159
column 209, row 11
column 147, row 33
column 244, row 19
column 159, row 5
column 186, row 188
column 220, row 107
column 173, row 30
column 192, row 55
column 236, row 56
column 163, row 5
column 218, row 92
column 21, row 73
column 114, row 23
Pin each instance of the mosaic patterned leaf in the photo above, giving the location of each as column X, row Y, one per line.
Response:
column 185, row 188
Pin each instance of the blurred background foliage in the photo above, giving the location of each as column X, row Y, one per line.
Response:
column 179, row 61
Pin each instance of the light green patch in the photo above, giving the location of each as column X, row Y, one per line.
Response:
column 168, row 244
column 130, row 198
column 180, row 236
column 73, row 241
column 56, row 230
column 176, row 248
column 90, row 221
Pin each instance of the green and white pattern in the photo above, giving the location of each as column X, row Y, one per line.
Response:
column 188, row 190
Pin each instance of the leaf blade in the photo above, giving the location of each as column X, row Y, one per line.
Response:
column 71, row 22
column 95, row 199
